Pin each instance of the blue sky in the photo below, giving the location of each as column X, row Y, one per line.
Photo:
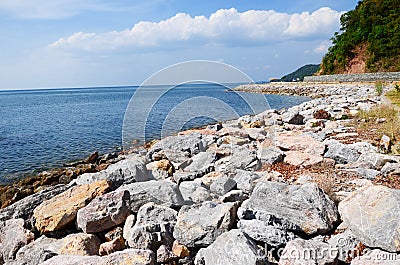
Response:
column 78, row 43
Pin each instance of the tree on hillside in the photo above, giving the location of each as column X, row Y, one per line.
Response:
column 372, row 28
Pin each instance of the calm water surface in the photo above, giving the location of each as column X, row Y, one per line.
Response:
column 40, row 129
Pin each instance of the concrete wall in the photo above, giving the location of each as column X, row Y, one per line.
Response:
column 369, row 77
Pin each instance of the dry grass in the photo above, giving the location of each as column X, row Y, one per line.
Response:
column 394, row 97
column 324, row 174
column 371, row 130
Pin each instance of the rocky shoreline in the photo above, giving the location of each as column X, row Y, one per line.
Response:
column 296, row 186
column 308, row 89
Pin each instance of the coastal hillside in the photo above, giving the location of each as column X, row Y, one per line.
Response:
column 368, row 41
column 299, row 74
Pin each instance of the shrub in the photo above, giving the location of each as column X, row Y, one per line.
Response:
column 397, row 87
column 379, row 87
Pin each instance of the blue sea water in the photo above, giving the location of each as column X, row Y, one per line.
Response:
column 41, row 129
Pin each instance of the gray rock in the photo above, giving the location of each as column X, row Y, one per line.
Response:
column 373, row 215
column 202, row 162
column 129, row 170
column 243, row 159
column 232, row 248
column 292, row 207
column 256, row 133
column 37, row 251
column 222, row 185
column 391, row 169
column 367, row 173
column 245, row 180
column 161, row 192
column 152, row 213
column 188, row 187
column 341, row 153
column 24, row 207
column 308, row 252
column 345, row 244
column 152, row 229
column 188, row 176
column 13, row 236
column 261, row 231
column 104, row 212
column 234, row 196
column 34, row 258
column 191, row 143
column 376, row 160
column 200, row 224
column 270, row 155
column 193, row 191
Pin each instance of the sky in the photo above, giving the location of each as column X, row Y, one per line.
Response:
column 86, row 43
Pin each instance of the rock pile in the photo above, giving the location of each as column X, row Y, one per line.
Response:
column 210, row 196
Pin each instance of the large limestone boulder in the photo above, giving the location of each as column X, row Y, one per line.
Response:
column 376, row 160
column 373, row 215
column 59, row 211
column 291, row 207
column 270, row 155
column 243, row 159
column 308, row 252
column 233, row 248
column 13, row 236
column 80, row 244
column 175, row 147
column 104, row 212
column 200, row 224
column 132, row 169
column 302, row 143
column 202, row 162
column 152, row 228
column 161, row 192
column 263, row 232
column 37, row 251
column 345, row 243
column 24, row 207
column 341, row 153
column 246, row 180
column 194, row 191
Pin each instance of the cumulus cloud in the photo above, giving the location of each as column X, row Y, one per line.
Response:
column 224, row 27
column 323, row 47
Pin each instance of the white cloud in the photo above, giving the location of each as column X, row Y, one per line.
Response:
column 224, row 27
column 323, row 47
column 48, row 9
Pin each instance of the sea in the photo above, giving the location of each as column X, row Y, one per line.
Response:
column 45, row 128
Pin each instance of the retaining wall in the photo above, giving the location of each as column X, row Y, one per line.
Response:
column 368, row 77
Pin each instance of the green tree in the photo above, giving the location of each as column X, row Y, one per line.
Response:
column 373, row 24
